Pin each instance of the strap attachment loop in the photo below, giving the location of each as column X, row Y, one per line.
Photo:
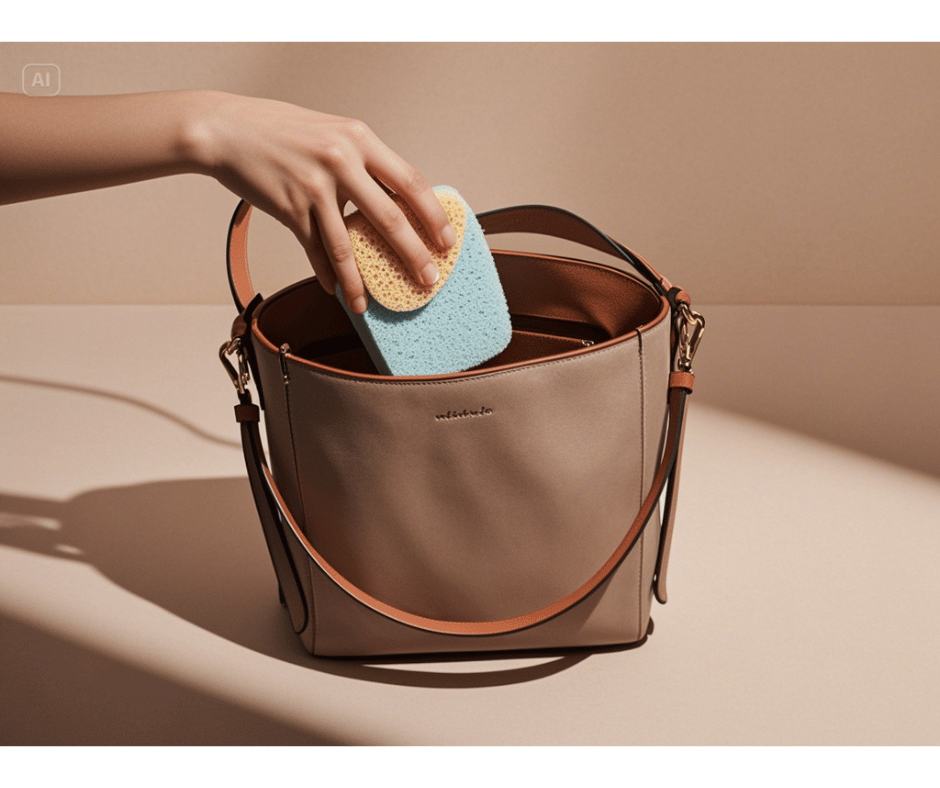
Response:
column 240, row 377
column 690, row 326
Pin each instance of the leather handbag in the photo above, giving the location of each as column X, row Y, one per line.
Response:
column 525, row 504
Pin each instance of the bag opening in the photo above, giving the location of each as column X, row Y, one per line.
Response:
column 557, row 306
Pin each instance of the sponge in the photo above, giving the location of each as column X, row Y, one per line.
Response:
column 457, row 323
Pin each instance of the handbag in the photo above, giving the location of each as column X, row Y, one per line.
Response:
column 525, row 504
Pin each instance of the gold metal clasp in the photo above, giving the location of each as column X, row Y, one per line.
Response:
column 691, row 326
column 241, row 376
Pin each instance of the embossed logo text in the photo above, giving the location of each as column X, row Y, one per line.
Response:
column 463, row 414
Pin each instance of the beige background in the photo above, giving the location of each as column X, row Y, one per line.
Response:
column 750, row 173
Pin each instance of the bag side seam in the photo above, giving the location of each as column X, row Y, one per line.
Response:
column 303, row 514
column 642, row 487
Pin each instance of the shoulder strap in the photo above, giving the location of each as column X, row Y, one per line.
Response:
column 559, row 223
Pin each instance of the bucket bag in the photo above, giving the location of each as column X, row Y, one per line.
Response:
column 527, row 503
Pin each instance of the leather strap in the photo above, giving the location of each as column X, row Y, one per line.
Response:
column 559, row 223
column 248, row 417
column 239, row 277
column 684, row 380
column 668, row 523
column 538, row 219
column 258, row 469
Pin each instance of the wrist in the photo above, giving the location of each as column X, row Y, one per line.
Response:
column 198, row 140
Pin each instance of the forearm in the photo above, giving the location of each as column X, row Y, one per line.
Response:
column 300, row 166
column 64, row 144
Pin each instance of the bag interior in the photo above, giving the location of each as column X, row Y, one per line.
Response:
column 556, row 305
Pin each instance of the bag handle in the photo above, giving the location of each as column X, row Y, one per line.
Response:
column 248, row 415
column 559, row 223
column 538, row 219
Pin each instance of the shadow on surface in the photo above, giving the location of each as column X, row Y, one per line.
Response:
column 194, row 547
column 417, row 671
column 57, row 693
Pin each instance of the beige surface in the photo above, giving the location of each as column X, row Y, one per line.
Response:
column 752, row 173
column 863, row 377
column 137, row 604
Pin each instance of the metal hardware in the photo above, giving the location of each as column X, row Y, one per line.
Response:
column 691, row 326
column 282, row 355
column 241, row 376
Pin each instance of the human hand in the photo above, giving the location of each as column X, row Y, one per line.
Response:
column 302, row 167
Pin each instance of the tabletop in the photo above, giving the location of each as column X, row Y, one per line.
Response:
column 138, row 605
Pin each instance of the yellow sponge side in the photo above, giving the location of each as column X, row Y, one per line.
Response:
column 383, row 272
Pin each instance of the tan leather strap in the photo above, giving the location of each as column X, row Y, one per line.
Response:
column 247, row 415
column 679, row 380
column 258, row 467
column 239, row 278
column 538, row 219
column 665, row 534
column 559, row 223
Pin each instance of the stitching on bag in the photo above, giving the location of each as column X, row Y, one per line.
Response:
column 303, row 513
column 639, row 588
column 315, row 618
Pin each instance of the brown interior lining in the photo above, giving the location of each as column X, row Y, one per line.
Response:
column 557, row 305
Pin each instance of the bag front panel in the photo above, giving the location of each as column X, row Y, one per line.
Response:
column 446, row 499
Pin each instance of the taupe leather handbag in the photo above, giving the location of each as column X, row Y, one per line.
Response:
column 512, row 506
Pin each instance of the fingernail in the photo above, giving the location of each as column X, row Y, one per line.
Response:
column 449, row 236
column 429, row 274
column 359, row 305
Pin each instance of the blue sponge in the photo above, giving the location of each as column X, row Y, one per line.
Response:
column 458, row 323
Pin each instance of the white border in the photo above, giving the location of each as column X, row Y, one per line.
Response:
column 483, row 20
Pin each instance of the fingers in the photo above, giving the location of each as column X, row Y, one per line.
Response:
column 321, row 264
column 410, row 184
column 335, row 244
column 403, row 179
column 358, row 166
column 387, row 217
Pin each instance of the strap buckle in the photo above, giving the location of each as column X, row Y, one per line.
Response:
column 690, row 325
column 241, row 376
